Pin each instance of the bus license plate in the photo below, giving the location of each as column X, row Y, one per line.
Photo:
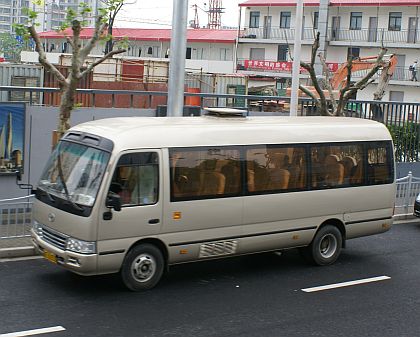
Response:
column 50, row 256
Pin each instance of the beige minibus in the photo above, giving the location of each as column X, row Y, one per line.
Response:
column 135, row 195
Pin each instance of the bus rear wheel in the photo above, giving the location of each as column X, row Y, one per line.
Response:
column 325, row 247
column 142, row 267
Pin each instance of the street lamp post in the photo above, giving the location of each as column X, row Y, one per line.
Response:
column 294, row 99
column 177, row 51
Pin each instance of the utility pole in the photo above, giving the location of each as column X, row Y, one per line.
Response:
column 294, row 99
column 177, row 52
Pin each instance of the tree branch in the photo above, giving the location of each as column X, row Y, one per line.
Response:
column 99, row 29
column 43, row 57
column 327, row 81
column 102, row 59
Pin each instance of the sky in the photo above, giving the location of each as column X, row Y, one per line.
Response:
column 158, row 13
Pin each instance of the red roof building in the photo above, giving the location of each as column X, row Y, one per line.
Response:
column 157, row 35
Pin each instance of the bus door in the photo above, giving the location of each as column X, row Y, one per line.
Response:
column 137, row 180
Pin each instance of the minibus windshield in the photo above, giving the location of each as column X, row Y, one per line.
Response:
column 74, row 172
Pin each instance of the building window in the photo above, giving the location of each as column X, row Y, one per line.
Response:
column 356, row 20
column 316, row 18
column 353, row 53
column 395, row 21
column 285, row 18
column 224, row 54
column 257, row 54
column 283, row 50
column 254, row 19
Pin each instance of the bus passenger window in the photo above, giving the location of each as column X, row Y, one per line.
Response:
column 379, row 164
column 275, row 168
column 136, row 179
column 337, row 165
column 201, row 172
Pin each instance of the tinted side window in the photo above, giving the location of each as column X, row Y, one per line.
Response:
column 337, row 165
column 136, row 179
column 380, row 167
column 199, row 173
column 275, row 168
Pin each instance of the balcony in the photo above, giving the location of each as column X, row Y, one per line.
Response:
column 274, row 35
column 376, row 37
column 401, row 74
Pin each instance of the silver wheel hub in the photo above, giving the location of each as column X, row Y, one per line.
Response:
column 328, row 246
column 143, row 268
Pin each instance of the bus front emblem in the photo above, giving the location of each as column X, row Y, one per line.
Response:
column 51, row 217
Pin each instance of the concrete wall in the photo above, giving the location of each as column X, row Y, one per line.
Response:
column 40, row 121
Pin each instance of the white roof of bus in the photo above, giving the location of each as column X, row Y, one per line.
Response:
column 157, row 132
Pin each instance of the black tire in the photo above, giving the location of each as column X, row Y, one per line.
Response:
column 142, row 267
column 325, row 247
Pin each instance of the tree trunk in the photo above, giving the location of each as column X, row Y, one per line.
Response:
column 68, row 95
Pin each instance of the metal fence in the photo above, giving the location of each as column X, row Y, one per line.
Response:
column 407, row 190
column 15, row 217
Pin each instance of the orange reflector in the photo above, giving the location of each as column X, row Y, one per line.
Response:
column 176, row 215
column 183, row 251
column 295, row 237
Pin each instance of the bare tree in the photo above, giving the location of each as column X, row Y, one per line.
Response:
column 330, row 107
column 78, row 69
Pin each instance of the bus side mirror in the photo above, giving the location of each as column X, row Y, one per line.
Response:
column 113, row 200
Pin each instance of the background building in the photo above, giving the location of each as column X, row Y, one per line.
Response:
column 11, row 11
column 347, row 27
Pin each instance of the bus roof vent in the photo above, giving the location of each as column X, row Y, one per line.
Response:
column 226, row 112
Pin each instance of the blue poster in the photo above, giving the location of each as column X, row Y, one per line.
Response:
column 12, row 132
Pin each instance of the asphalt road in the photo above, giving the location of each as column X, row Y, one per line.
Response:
column 259, row 295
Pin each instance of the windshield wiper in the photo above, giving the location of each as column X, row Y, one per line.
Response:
column 66, row 191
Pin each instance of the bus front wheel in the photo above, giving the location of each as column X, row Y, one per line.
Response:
column 325, row 247
column 142, row 267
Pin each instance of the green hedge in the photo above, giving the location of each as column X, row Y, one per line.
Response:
column 406, row 140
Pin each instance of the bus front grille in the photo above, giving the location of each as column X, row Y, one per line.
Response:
column 54, row 238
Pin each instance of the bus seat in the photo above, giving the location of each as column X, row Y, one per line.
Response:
column 279, row 179
column 212, row 183
column 349, row 164
column 251, row 180
column 280, row 160
column 357, row 176
column 334, row 170
column 232, row 176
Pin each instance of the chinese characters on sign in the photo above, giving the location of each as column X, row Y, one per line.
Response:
column 279, row 65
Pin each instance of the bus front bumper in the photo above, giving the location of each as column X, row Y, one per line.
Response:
column 83, row 264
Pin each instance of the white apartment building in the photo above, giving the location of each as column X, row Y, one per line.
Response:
column 347, row 27
column 52, row 13
column 11, row 11
column 207, row 50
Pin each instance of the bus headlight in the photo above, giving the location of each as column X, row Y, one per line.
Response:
column 80, row 246
column 37, row 227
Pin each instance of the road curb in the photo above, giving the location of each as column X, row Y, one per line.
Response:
column 17, row 252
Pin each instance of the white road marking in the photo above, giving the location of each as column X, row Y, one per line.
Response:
column 345, row 284
column 33, row 332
